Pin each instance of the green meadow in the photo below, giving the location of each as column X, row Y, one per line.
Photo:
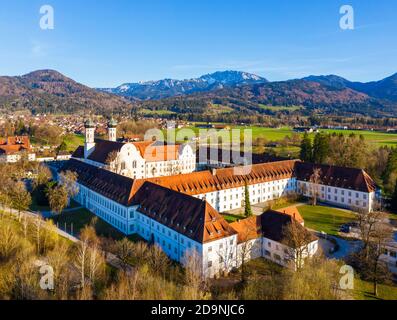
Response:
column 374, row 138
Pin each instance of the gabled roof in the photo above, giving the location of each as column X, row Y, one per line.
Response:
column 187, row 215
column 247, row 229
column 11, row 145
column 153, row 151
column 270, row 225
column 111, row 185
column 103, row 148
column 273, row 224
column 206, row 181
column 340, row 177
column 149, row 150
column 78, row 153
column 293, row 212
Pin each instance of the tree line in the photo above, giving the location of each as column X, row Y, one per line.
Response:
column 353, row 151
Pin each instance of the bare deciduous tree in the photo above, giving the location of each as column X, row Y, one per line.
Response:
column 124, row 250
column 68, row 179
column 297, row 238
column 315, row 181
column 376, row 233
column 194, row 277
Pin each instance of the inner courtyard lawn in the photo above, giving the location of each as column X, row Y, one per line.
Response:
column 83, row 217
column 327, row 219
column 363, row 290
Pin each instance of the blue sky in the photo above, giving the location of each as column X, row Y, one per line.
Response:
column 108, row 42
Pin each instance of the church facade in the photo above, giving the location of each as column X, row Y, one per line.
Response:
column 137, row 160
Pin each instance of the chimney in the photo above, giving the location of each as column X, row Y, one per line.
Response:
column 213, row 171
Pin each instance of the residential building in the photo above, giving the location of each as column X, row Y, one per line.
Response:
column 12, row 149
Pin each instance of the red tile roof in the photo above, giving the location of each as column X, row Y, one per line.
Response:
column 270, row 225
column 187, row 215
column 247, row 229
column 15, row 144
column 206, row 181
column 151, row 151
column 293, row 212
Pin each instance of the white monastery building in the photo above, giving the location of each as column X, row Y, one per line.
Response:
column 181, row 211
column 141, row 159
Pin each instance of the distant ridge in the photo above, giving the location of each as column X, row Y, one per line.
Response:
column 233, row 93
column 51, row 91
column 169, row 87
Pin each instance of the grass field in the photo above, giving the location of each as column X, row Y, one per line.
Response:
column 280, row 108
column 34, row 206
column 156, row 112
column 363, row 291
column 274, row 134
column 219, row 108
column 83, row 217
column 325, row 219
column 73, row 141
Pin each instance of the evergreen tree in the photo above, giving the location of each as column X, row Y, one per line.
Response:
column 394, row 199
column 320, row 148
column 306, row 153
column 247, row 209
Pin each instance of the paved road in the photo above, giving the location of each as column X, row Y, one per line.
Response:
column 346, row 247
column 49, row 214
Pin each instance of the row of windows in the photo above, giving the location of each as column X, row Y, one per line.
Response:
column 335, row 190
column 162, row 230
column 221, row 259
column 109, row 218
column 220, row 247
column 108, row 205
column 390, row 253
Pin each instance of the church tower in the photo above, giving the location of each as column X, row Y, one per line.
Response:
column 112, row 130
column 89, row 144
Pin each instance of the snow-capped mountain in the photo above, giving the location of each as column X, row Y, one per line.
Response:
column 169, row 87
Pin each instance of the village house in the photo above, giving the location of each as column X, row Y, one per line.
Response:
column 12, row 149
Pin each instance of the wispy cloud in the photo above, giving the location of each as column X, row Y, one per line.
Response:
column 38, row 49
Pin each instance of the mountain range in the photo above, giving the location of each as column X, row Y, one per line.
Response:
column 50, row 91
column 232, row 92
column 169, row 87
column 383, row 89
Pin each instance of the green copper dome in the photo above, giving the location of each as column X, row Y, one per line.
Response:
column 89, row 123
column 112, row 123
